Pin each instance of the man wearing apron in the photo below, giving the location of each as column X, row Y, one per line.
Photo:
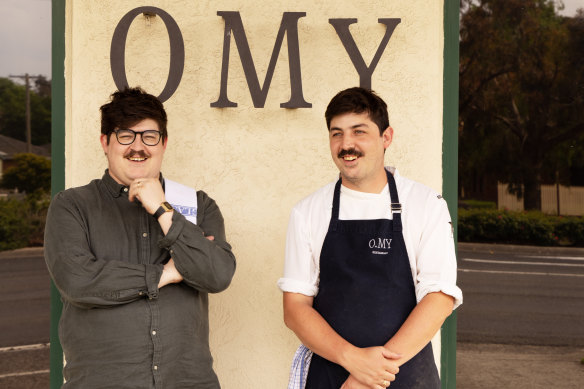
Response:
column 370, row 272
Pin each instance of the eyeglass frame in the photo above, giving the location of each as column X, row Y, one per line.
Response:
column 141, row 136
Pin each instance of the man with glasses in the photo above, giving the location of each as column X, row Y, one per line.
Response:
column 133, row 270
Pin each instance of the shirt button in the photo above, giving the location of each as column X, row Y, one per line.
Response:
column 154, row 332
column 141, row 293
column 144, row 234
column 125, row 189
column 155, row 367
column 172, row 251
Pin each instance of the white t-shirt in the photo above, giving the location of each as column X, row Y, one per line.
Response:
column 427, row 232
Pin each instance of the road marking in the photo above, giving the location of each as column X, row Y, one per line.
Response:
column 25, row 347
column 520, row 272
column 522, row 263
column 554, row 257
column 25, row 373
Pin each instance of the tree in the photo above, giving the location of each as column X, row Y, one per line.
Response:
column 42, row 86
column 30, row 173
column 12, row 111
column 521, row 93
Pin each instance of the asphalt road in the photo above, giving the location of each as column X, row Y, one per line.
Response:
column 24, row 298
column 24, row 319
column 25, row 367
column 521, row 295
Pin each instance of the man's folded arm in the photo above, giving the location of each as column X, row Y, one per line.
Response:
column 206, row 265
column 80, row 277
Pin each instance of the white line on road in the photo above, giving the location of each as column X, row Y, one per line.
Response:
column 24, row 373
column 25, row 347
column 522, row 263
column 520, row 272
column 553, row 257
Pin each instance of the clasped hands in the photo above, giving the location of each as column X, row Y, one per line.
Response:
column 371, row 368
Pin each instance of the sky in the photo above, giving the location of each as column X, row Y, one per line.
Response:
column 572, row 6
column 25, row 35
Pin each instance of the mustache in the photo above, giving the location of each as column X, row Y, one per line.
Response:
column 136, row 153
column 351, row 151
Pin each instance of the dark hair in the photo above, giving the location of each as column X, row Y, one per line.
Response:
column 129, row 107
column 358, row 100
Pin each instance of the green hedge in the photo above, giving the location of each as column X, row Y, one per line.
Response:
column 476, row 204
column 22, row 221
column 530, row 228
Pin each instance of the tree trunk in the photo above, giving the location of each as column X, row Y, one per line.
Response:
column 531, row 193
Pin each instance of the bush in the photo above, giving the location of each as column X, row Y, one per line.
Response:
column 477, row 204
column 22, row 222
column 570, row 230
column 533, row 228
column 31, row 173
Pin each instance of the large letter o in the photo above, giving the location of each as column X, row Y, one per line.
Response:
column 177, row 50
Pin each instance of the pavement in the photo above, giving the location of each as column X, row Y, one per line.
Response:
column 481, row 366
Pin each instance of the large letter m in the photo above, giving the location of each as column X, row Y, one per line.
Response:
column 288, row 26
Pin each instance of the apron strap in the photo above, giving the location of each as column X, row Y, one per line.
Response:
column 336, row 201
column 396, row 207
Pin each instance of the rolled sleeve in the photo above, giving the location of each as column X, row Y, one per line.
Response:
column 178, row 223
column 300, row 267
column 153, row 274
column 436, row 256
column 451, row 290
column 294, row 286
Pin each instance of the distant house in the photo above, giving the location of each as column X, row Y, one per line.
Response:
column 9, row 147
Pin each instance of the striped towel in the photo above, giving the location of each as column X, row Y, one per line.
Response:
column 299, row 369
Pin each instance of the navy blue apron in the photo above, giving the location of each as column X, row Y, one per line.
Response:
column 366, row 292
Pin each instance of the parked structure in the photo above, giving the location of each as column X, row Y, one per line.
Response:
column 555, row 200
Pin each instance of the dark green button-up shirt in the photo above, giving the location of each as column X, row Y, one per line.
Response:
column 118, row 330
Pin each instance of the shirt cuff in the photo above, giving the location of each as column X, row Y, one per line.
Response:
column 450, row 290
column 178, row 222
column 295, row 286
column 153, row 274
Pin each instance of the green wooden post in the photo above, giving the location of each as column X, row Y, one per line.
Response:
column 450, row 168
column 57, row 167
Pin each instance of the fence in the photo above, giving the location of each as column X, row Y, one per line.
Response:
column 571, row 199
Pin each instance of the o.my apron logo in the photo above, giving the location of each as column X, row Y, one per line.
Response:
column 380, row 244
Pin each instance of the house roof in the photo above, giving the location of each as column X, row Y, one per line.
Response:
column 10, row 146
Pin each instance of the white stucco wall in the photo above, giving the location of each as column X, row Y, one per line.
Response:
column 256, row 162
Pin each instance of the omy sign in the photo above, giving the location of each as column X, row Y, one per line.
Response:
column 234, row 27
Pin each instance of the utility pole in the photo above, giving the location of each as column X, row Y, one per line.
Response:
column 27, row 78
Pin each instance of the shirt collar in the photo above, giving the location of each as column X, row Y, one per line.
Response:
column 116, row 189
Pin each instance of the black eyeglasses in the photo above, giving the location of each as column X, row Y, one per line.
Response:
column 127, row 137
